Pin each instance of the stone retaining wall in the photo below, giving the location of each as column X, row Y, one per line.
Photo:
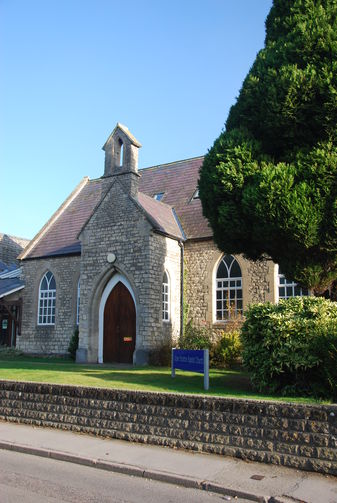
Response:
column 299, row 436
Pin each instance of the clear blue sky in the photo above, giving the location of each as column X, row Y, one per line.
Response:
column 71, row 69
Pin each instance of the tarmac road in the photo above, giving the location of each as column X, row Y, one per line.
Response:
column 30, row 479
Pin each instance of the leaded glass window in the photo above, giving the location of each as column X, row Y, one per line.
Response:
column 166, row 297
column 47, row 298
column 228, row 289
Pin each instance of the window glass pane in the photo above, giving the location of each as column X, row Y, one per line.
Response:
column 47, row 294
column 281, row 291
column 297, row 291
column 228, row 259
column 52, row 284
column 282, row 280
column 235, row 270
column 228, row 292
column 289, row 291
column 165, row 297
column 222, row 271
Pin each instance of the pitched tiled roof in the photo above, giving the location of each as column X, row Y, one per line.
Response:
column 161, row 215
column 177, row 180
column 60, row 238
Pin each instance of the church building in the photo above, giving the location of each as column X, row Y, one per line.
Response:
column 120, row 257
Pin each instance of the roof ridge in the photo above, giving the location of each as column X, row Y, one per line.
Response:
column 53, row 218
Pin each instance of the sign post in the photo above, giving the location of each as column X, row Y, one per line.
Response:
column 194, row 360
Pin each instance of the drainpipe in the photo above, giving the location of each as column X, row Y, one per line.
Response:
column 181, row 244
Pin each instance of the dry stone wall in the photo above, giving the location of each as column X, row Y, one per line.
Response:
column 289, row 434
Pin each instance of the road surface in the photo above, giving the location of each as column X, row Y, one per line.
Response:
column 31, row 479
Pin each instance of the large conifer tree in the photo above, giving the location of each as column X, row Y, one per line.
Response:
column 269, row 183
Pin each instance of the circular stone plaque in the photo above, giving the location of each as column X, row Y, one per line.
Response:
column 111, row 257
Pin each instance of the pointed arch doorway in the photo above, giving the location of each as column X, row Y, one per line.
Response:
column 117, row 323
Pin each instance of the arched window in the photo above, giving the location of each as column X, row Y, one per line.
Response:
column 288, row 289
column 78, row 304
column 121, row 152
column 166, row 297
column 47, row 296
column 228, row 289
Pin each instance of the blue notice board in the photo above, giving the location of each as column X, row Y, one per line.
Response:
column 194, row 360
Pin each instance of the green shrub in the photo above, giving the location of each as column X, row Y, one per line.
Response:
column 73, row 344
column 291, row 347
column 161, row 357
column 196, row 337
column 224, row 346
column 9, row 352
column 226, row 352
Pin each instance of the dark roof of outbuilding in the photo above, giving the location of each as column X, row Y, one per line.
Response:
column 10, row 285
column 178, row 181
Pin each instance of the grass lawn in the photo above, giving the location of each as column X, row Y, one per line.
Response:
column 227, row 383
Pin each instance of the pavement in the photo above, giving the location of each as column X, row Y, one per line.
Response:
column 227, row 476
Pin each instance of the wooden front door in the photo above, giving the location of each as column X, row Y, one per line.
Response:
column 119, row 326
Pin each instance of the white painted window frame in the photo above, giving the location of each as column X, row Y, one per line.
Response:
column 285, row 285
column 47, row 302
column 166, row 298
column 233, row 285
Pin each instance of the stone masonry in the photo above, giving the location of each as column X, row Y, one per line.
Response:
column 288, row 434
column 119, row 226
column 201, row 261
column 49, row 339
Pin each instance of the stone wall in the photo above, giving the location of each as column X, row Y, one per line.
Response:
column 11, row 247
column 289, row 434
column 201, row 261
column 49, row 338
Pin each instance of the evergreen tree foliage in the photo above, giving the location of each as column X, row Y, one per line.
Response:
column 269, row 183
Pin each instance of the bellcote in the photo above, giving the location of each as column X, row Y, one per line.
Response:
column 121, row 152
